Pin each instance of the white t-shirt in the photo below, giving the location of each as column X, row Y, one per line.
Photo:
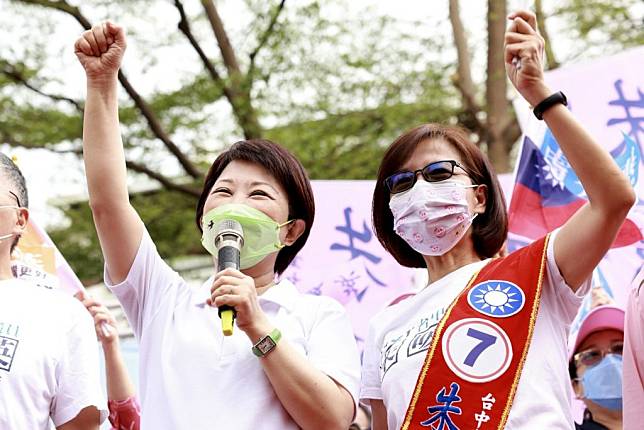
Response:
column 400, row 335
column 193, row 377
column 49, row 364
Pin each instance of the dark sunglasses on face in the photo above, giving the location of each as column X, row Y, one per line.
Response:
column 592, row 356
column 433, row 172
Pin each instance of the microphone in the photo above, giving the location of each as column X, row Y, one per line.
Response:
column 229, row 241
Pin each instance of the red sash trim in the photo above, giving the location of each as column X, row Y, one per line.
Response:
column 430, row 354
column 436, row 365
column 533, row 320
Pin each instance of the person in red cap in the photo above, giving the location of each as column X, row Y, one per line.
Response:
column 596, row 367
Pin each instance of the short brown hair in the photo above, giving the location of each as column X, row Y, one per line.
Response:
column 489, row 229
column 288, row 172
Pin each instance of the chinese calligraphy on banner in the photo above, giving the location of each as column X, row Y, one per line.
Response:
column 343, row 258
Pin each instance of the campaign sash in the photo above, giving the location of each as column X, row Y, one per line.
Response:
column 472, row 368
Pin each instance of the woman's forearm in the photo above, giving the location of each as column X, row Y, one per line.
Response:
column 102, row 147
column 119, row 384
column 312, row 398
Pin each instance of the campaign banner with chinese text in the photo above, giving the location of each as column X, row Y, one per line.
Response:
column 343, row 258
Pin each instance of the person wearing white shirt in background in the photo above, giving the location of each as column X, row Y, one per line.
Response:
column 123, row 406
column 438, row 205
column 633, row 387
column 49, row 367
column 306, row 372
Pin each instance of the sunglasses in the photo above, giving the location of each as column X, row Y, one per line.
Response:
column 433, row 172
column 592, row 356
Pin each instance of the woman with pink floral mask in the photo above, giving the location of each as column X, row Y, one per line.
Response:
column 484, row 344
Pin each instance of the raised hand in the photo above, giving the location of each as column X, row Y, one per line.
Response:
column 104, row 322
column 100, row 51
column 524, row 49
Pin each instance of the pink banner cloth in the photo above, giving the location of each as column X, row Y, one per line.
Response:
column 343, row 258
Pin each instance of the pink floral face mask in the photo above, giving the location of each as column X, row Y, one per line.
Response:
column 432, row 217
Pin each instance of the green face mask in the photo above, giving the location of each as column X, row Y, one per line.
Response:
column 261, row 232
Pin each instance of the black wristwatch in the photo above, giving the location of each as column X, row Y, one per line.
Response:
column 549, row 102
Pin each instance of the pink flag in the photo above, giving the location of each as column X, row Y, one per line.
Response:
column 37, row 258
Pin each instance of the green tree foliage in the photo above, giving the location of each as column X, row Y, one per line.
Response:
column 607, row 25
column 334, row 89
column 365, row 80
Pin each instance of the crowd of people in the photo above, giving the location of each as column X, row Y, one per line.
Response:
column 483, row 345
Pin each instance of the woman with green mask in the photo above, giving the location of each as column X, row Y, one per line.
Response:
column 292, row 361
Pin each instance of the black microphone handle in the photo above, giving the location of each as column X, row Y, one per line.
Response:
column 227, row 257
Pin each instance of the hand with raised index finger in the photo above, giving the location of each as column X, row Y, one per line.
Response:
column 524, row 52
column 104, row 322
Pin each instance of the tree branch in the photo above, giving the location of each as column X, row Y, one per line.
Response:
column 263, row 39
column 14, row 74
column 157, row 129
column 239, row 100
column 541, row 23
column 163, row 180
column 62, row 6
column 471, row 107
column 226, row 49
column 141, row 104
column 166, row 182
column 184, row 27
column 498, row 107
column 511, row 130
column 463, row 78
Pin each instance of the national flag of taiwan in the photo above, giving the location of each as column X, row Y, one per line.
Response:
column 541, row 201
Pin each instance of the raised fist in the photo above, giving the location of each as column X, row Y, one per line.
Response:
column 524, row 50
column 100, row 51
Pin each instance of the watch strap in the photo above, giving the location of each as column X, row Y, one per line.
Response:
column 274, row 335
column 549, row 102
